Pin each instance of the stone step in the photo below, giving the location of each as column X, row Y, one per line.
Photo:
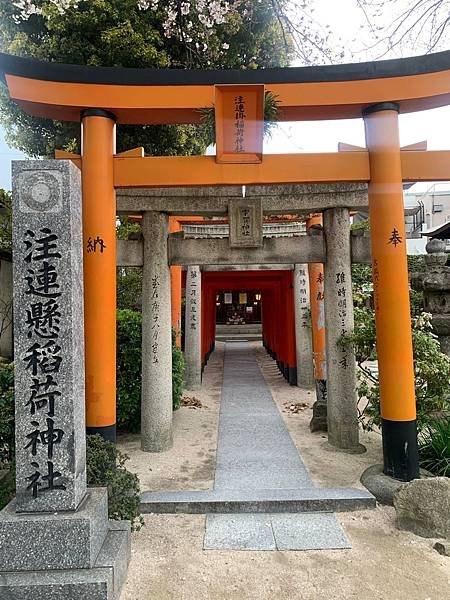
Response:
column 245, row 337
column 257, row 501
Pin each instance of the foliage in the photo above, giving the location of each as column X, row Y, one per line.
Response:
column 132, row 33
column 177, row 372
column 434, row 447
column 129, row 336
column 431, row 369
column 416, row 302
column 105, row 467
column 416, row 263
column 364, row 225
column 129, row 279
column 7, row 434
column 362, row 284
column 129, row 288
column 6, row 413
column 7, row 486
column 5, row 221
column 126, row 227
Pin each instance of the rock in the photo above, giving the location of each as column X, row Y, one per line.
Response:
column 319, row 419
column 443, row 547
column 380, row 485
column 423, row 507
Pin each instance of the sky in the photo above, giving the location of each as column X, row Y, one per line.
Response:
column 323, row 136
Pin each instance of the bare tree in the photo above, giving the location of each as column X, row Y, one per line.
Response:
column 389, row 28
column 420, row 26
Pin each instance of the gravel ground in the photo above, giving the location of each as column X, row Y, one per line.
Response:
column 168, row 562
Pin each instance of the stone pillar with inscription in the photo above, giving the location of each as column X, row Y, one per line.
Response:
column 192, row 346
column 156, row 403
column 342, row 413
column 303, row 341
column 55, row 538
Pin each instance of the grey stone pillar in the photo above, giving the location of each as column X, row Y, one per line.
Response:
column 156, row 404
column 55, row 537
column 6, row 306
column 192, row 344
column 303, row 340
column 48, row 329
column 341, row 369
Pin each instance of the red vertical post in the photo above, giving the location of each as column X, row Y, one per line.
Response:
column 290, row 321
column 280, row 333
column 203, row 322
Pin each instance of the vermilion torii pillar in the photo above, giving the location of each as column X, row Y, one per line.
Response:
column 99, row 256
column 391, row 293
column 316, row 284
column 175, row 286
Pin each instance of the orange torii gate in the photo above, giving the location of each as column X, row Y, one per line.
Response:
column 100, row 97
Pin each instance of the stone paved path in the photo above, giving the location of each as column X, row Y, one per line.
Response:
column 256, row 452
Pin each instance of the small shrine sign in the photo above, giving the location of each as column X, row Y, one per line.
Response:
column 239, row 111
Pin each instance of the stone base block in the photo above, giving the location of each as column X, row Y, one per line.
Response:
column 61, row 540
column 319, row 419
column 116, row 553
column 103, row 582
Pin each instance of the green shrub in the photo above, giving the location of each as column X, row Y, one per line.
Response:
column 5, row 221
column 431, row 369
column 177, row 373
column 7, row 486
column 434, row 447
column 129, row 287
column 129, row 336
column 105, row 466
column 6, row 413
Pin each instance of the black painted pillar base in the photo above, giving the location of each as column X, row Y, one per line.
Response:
column 319, row 419
column 108, row 432
column 292, row 375
column 400, row 450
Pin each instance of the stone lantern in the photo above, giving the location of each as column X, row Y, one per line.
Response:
column 434, row 282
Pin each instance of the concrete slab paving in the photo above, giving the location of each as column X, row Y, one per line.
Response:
column 301, row 531
column 255, row 452
column 308, row 531
column 239, row 532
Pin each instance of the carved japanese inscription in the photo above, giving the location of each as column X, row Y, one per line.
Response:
column 48, row 335
column 246, row 229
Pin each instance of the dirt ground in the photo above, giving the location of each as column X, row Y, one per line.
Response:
column 168, row 562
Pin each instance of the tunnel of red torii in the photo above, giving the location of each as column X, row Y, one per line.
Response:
column 328, row 184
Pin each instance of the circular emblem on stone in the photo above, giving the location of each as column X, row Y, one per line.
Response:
column 40, row 191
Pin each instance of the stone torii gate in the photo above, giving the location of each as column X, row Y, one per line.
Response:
column 100, row 97
column 334, row 247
